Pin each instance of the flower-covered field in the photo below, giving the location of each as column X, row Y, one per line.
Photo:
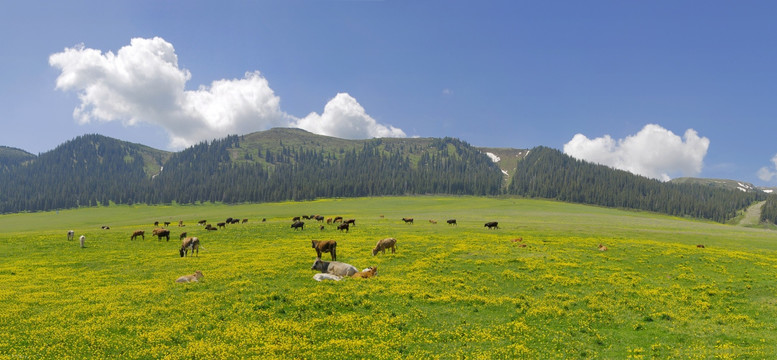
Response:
column 460, row 291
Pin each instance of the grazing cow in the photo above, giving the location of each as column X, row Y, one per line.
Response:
column 350, row 222
column 298, row 225
column 182, row 236
column 602, row 248
column 338, row 219
column 81, row 240
column 432, row 221
column 321, row 228
column 156, row 223
column 326, row 246
column 190, row 243
column 228, row 220
column 202, row 222
column 700, row 246
column 342, row 227
column 221, row 225
column 334, row 268
column 245, row 221
column 137, row 233
column 71, row 234
column 452, row 222
column 319, row 218
column 329, row 220
column 366, row 273
column 382, row 245
column 167, row 223
column 492, row 225
column 407, row 220
column 190, row 278
column 160, row 233
column 295, row 219
column 235, row 221
column 306, row 217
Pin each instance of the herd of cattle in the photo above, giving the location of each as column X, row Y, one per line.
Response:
column 329, row 270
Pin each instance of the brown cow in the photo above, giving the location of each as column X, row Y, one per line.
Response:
column 190, row 278
column 137, row 233
column 700, row 246
column 160, row 233
column 382, row 245
column 602, row 247
column 187, row 244
column 342, row 227
column 366, row 274
column 325, row 246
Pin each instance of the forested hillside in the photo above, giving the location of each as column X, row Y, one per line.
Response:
column 12, row 156
column 548, row 173
column 292, row 164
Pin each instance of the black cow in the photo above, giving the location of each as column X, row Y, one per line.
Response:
column 342, row 227
column 492, row 225
column 407, row 220
column 452, row 222
column 298, row 225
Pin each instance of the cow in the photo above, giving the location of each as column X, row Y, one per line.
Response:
column 295, row 219
column 700, row 246
column 156, row 223
column 452, row 222
column 71, row 234
column 167, row 223
column 338, row 219
column 190, row 278
column 319, row 218
column 325, row 246
column 366, row 273
column 342, row 227
column 190, row 243
column 382, row 245
column 105, row 227
column 407, row 220
column 228, row 220
column 137, row 233
column 81, row 240
column 245, row 221
column 221, row 225
column 180, row 223
column 602, row 248
column 329, row 221
column 160, row 233
column 432, row 221
column 235, row 221
column 182, row 236
column 202, row 222
column 492, row 225
column 334, row 267
column 322, row 276
column 210, row 227
column 350, row 222
column 264, row 219
column 306, row 217
column 298, row 225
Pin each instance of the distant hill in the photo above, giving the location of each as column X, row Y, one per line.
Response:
column 292, row 164
column 12, row 156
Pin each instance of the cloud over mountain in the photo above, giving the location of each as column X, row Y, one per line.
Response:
column 653, row 152
column 142, row 82
column 768, row 174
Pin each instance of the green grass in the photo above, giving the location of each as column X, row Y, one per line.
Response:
column 449, row 292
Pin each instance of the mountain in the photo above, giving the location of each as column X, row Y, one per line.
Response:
column 293, row 164
column 12, row 156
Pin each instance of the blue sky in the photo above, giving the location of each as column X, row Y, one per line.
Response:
column 660, row 88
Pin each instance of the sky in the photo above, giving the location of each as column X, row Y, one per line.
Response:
column 663, row 89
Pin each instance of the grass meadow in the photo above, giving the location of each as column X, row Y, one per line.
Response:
column 450, row 292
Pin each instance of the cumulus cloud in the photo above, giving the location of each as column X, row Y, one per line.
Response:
column 343, row 117
column 767, row 174
column 653, row 152
column 142, row 82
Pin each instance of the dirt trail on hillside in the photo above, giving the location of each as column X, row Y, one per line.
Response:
column 752, row 215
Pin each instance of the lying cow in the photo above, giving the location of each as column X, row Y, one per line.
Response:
column 137, row 233
column 382, row 245
column 329, row 246
column 190, row 278
column 366, row 273
column 334, row 267
column 190, row 243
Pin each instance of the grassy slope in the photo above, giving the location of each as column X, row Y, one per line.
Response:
column 449, row 291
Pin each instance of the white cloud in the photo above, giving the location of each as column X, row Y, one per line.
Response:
column 343, row 117
column 143, row 83
column 767, row 174
column 653, row 152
